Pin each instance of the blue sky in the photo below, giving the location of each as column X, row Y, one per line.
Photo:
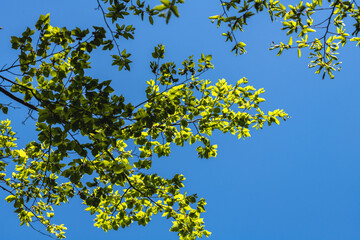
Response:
column 299, row 180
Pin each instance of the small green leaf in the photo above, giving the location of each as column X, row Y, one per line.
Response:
column 174, row 9
column 160, row 8
column 10, row 198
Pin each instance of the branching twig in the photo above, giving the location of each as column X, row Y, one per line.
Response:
column 108, row 26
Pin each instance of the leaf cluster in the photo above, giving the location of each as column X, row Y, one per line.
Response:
column 94, row 145
column 320, row 36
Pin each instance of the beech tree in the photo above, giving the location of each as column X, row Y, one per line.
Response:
column 94, row 145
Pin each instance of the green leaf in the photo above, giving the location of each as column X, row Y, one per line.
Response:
column 165, row 2
column 118, row 169
column 160, row 8
column 174, row 9
column 10, row 198
column 4, row 110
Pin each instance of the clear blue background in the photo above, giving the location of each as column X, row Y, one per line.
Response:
column 299, row 180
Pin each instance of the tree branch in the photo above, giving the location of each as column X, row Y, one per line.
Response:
column 12, row 96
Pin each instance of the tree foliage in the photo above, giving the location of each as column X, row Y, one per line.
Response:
column 316, row 26
column 94, row 145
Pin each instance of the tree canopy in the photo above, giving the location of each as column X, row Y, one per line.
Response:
column 94, row 145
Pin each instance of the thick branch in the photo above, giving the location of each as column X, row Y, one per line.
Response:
column 12, row 96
